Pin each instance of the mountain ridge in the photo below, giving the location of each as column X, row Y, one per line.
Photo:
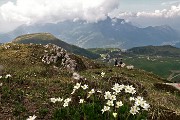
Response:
column 107, row 33
column 46, row 38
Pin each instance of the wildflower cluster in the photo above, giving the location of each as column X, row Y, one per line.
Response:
column 114, row 104
column 111, row 102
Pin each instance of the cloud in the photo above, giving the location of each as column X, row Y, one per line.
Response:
column 42, row 11
column 174, row 11
column 52, row 11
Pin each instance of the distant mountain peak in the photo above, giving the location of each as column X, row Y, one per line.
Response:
column 110, row 32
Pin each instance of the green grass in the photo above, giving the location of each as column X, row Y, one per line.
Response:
column 160, row 66
column 32, row 85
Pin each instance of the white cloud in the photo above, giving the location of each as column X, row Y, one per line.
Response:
column 42, row 11
column 174, row 11
column 13, row 14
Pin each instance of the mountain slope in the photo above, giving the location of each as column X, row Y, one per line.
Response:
column 108, row 33
column 46, row 38
column 32, row 84
column 166, row 50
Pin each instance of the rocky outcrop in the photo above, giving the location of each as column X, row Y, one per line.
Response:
column 58, row 56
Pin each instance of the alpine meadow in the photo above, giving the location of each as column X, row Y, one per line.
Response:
column 89, row 60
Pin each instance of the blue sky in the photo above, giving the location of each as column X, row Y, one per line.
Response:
column 14, row 13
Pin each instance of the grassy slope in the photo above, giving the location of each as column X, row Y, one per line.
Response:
column 158, row 65
column 45, row 38
column 166, row 50
column 34, row 83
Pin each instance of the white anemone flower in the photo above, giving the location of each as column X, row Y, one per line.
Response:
column 146, row 106
column 73, row 91
column 77, row 86
column 110, row 103
column 81, row 101
column 139, row 100
column 0, row 77
column 53, row 100
column 113, row 97
column 131, row 98
column 134, row 110
column 114, row 115
column 117, row 88
column 8, row 76
column 107, row 95
column 119, row 104
column 90, row 93
column 130, row 89
column 59, row 99
column 102, row 74
column 106, row 108
column 31, row 117
column 84, row 87
column 65, row 104
column 67, row 100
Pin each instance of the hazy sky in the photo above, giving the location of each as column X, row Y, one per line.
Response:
column 14, row 13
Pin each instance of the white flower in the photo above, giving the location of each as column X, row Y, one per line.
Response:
column 134, row 110
column 67, row 100
column 99, row 91
column 119, row 104
column 0, row 77
column 31, row 117
column 8, row 76
column 102, row 74
column 106, row 108
column 110, row 103
column 131, row 98
column 84, row 87
column 90, row 93
column 107, row 95
column 145, row 105
column 1, row 84
column 117, row 88
column 73, row 91
column 59, row 99
column 115, row 115
column 81, row 101
column 113, row 97
column 139, row 100
column 53, row 100
column 76, row 76
column 77, row 86
column 65, row 104
column 130, row 89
